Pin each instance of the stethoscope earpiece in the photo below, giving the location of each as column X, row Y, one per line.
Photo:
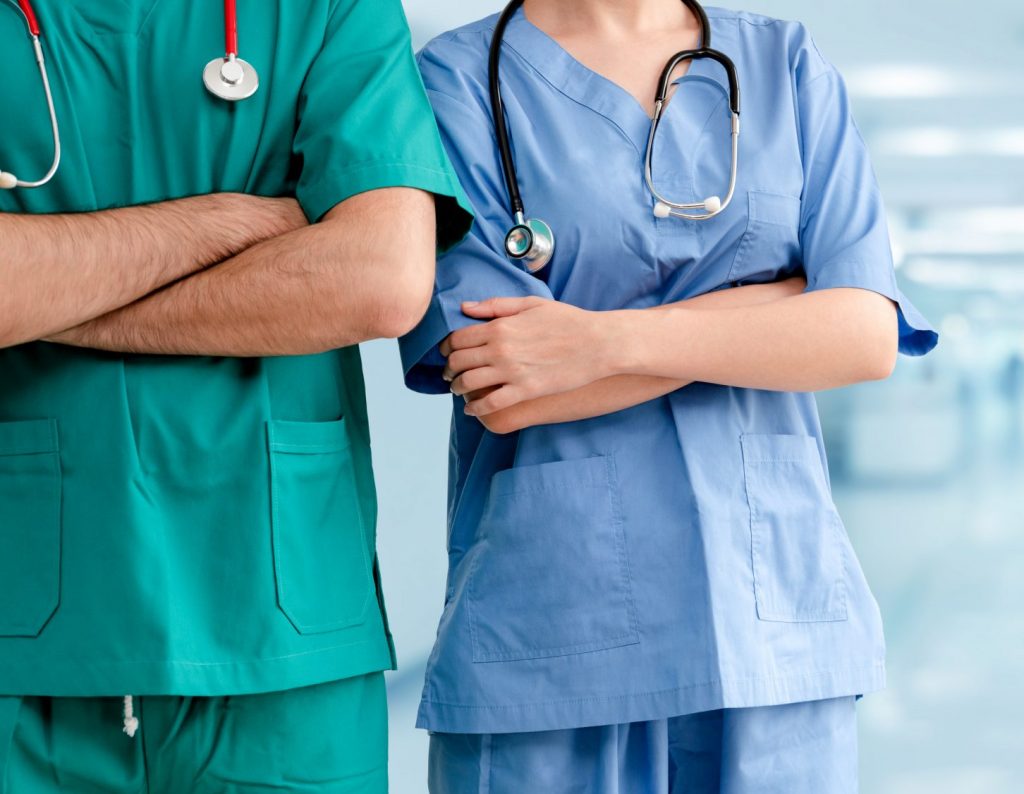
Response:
column 8, row 181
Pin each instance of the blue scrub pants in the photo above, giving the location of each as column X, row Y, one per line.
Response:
column 800, row 748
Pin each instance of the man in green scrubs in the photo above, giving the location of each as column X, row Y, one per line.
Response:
column 187, row 511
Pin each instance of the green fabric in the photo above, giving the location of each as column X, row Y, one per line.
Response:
column 198, row 526
column 329, row 738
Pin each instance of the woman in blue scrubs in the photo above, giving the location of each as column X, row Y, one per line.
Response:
column 650, row 589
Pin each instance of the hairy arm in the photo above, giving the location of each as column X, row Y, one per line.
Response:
column 354, row 276
column 57, row 271
column 616, row 392
column 809, row 342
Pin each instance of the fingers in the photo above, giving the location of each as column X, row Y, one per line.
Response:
column 446, row 346
column 499, row 307
column 470, row 336
column 476, row 379
column 464, row 360
column 497, row 400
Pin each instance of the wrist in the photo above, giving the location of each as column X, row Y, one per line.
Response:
column 622, row 348
column 644, row 336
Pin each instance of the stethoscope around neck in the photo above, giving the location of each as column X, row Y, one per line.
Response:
column 229, row 78
column 530, row 240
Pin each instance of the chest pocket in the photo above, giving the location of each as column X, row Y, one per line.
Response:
column 771, row 242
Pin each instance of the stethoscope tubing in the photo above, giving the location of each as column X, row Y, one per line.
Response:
column 245, row 70
column 230, row 29
column 664, row 207
column 508, row 166
column 32, row 22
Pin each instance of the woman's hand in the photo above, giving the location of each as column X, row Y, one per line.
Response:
column 530, row 348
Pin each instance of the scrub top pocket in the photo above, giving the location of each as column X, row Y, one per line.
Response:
column 551, row 576
column 321, row 560
column 771, row 241
column 30, row 526
column 797, row 537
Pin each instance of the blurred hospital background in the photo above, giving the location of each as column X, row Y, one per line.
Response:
column 928, row 468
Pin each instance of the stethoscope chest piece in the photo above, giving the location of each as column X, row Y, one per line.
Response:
column 231, row 78
column 531, row 242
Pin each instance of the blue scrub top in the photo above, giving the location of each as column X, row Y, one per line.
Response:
column 685, row 554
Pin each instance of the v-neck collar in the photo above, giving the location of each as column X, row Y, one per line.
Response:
column 589, row 88
column 114, row 17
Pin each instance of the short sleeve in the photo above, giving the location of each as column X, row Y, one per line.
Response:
column 475, row 269
column 843, row 231
column 365, row 122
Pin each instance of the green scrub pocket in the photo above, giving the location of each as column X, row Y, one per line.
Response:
column 30, row 526
column 322, row 562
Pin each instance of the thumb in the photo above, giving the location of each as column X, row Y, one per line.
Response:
column 499, row 307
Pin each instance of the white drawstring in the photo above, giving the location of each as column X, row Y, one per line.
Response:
column 131, row 724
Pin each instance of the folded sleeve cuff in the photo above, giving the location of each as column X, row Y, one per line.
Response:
column 422, row 360
column 916, row 335
column 334, row 186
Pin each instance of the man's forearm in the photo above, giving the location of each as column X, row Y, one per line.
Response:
column 620, row 392
column 326, row 286
column 57, row 271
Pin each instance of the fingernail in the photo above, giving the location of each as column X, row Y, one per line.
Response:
column 470, row 304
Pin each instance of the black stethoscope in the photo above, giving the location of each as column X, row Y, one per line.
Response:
column 228, row 78
column 531, row 240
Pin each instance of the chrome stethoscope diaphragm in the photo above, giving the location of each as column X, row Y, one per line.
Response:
column 530, row 240
column 230, row 78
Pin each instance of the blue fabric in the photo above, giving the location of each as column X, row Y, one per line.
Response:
column 683, row 555
column 800, row 748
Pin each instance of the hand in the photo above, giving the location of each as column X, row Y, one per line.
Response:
column 530, row 348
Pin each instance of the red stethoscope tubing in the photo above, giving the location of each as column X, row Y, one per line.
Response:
column 230, row 28
column 230, row 23
column 30, row 16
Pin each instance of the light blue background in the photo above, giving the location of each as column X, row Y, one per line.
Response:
column 928, row 468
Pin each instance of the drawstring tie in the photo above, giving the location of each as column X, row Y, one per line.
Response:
column 131, row 724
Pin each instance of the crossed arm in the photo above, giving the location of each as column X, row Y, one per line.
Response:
column 538, row 362
column 223, row 274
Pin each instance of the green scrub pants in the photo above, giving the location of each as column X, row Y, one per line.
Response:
column 329, row 738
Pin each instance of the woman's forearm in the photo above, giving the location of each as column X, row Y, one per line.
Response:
column 619, row 392
column 810, row 342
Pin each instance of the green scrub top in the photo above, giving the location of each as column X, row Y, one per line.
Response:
column 190, row 525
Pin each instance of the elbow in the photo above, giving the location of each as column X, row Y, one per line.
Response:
column 881, row 352
column 11, row 333
column 404, row 302
column 502, row 423
column 400, row 315
column 880, row 366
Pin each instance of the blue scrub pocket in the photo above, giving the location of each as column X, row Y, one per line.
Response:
column 771, row 241
column 797, row 537
column 551, row 575
column 322, row 564
column 30, row 526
